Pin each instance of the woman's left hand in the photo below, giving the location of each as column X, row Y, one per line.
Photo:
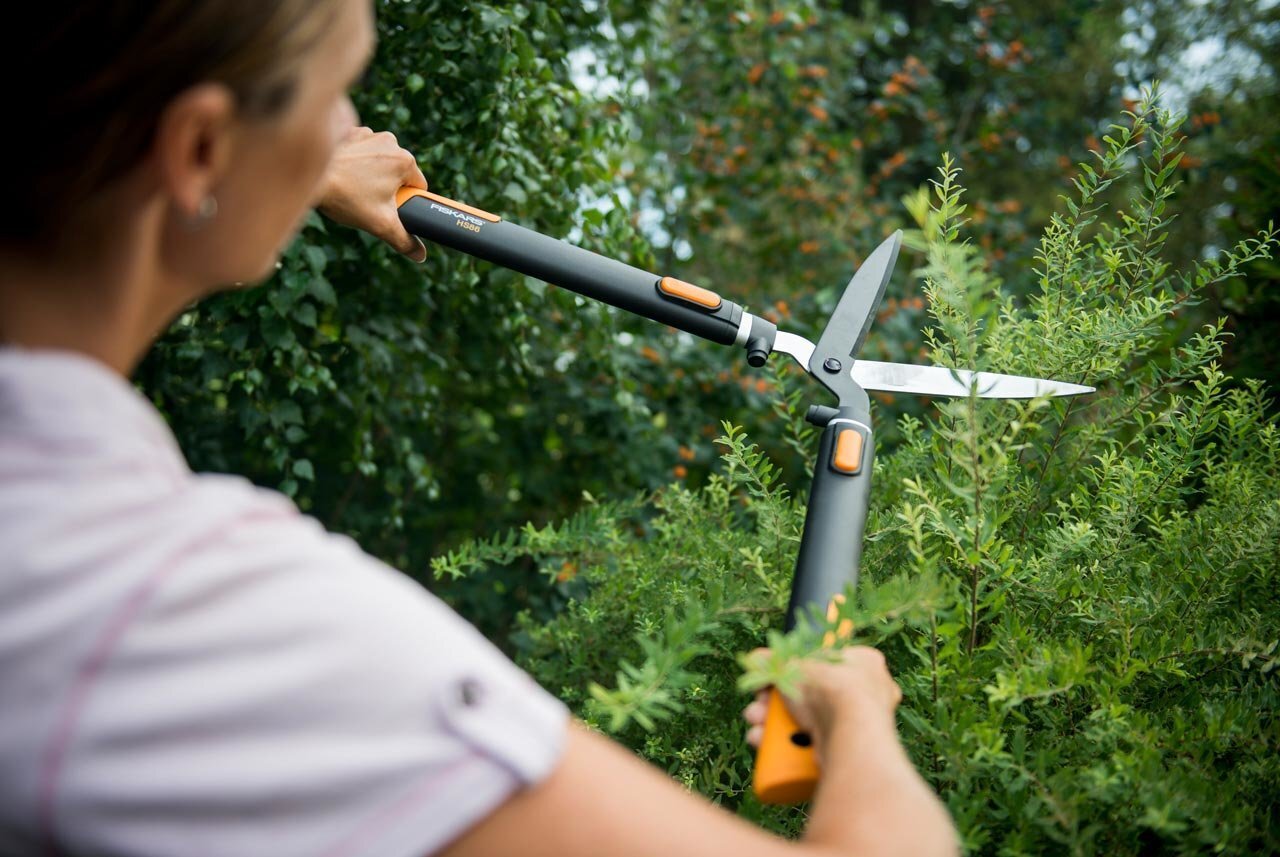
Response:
column 360, row 188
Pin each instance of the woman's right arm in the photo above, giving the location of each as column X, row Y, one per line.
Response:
column 602, row 800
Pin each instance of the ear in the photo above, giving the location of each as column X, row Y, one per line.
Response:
column 194, row 142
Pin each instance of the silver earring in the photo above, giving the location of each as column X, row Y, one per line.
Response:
column 207, row 210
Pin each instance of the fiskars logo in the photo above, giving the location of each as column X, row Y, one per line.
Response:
column 458, row 214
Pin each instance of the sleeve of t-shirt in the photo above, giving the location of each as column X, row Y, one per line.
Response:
column 282, row 693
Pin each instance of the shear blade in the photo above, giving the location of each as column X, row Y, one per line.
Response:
column 847, row 327
column 797, row 346
column 941, row 381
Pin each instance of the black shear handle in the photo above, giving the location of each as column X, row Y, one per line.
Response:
column 486, row 236
column 786, row 770
column 831, row 547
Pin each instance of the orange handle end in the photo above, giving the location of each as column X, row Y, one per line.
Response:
column 407, row 193
column 786, row 770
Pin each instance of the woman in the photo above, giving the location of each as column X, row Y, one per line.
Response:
column 187, row 664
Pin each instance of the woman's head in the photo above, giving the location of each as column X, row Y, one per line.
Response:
column 208, row 123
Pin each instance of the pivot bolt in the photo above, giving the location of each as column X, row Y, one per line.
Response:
column 831, row 364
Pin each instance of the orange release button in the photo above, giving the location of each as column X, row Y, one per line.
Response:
column 689, row 292
column 848, row 454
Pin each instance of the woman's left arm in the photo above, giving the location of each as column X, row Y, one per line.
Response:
column 360, row 187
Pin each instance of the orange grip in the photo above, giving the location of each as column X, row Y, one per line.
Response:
column 786, row 769
column 407, row 193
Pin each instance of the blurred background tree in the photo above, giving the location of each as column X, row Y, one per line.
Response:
column 772, row 143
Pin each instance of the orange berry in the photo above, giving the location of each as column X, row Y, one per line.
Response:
column 680, row 471
column 686, row 454
column 757, row 72
column 818, row 112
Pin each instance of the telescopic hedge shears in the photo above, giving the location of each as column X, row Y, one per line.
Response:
column 831, row 545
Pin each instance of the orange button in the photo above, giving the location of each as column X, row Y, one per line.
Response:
column 689, row 292
column 848, row 456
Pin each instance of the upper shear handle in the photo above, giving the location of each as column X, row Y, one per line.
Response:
column 486, row 236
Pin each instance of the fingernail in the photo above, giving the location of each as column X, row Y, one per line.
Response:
column 422, row 257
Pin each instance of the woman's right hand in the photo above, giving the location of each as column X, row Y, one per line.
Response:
column 359, row 188
column 857, row 686
column 872, row 802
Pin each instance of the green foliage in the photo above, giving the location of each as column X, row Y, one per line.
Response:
column 1078, row 597
column 772, row 142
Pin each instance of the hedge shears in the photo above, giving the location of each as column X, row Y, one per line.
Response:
column 831, row 545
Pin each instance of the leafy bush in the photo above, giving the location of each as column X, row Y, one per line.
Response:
column 1078, row 597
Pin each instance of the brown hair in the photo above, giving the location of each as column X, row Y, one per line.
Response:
column 91, row 80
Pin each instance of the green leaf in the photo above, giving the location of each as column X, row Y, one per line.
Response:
column 316, row 257
column 305, row 314
column 321, row 289
column 515, row 193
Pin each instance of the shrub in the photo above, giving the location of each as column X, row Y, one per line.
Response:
column 1078, row 596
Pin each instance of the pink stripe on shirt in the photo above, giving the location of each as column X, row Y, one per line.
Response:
column 73, row 705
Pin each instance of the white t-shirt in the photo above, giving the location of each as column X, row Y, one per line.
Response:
column 189, row 666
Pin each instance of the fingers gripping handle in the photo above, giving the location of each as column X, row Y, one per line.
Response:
column 786, row 766
column 786, row 769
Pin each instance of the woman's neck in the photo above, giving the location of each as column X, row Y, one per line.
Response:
column 110, row 307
